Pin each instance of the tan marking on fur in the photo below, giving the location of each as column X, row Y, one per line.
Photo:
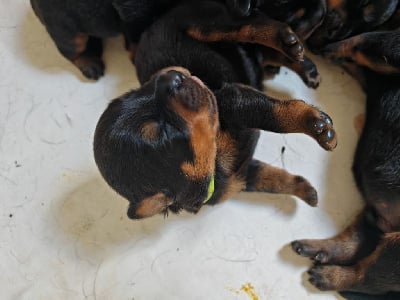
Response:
column 359, row 122
column 234, row 186
column 346, row 47
column 365, row 61
column 132, row 48
column 203, row 132
column 294, row 114
column 153, row 205
column 392, row 238
column 300, row 13
column 343, row 247
column 364, row 264
column 341, row 278
column 266, row 34
column 80, row 42
column 335, row 3
column 275, row 180
column 226, row 152
column 150, row 131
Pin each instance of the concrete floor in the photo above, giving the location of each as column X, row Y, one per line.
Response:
column 65, row 234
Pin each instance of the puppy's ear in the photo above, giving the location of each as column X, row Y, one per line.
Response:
column 377, row 12
column 149, row 206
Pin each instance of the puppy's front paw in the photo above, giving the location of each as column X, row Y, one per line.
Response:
column 328, row 278
column 321, row 128
column 91, row 67
column 310, row 249
column 292, row 45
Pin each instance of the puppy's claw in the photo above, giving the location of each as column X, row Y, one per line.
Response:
column 320, row 256
column 297, row 247
column 289, row 39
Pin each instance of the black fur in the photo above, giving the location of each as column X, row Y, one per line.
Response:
column 138, row 168
column 349, row 18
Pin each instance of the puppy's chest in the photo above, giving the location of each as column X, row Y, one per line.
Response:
column 235, row 150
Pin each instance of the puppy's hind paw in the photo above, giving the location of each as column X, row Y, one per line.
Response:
column 91, row 67
column 304, row 190
column 310, row 249
column 329, row 278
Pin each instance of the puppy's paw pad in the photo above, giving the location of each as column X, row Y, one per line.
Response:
column 306, row 249
column 312, row 78
column 322, row 130
column 326, row 278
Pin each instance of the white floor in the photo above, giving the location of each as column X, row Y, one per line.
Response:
column 65, row 234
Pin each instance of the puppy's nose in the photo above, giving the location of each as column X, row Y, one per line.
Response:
column 175, row 78
column 170, row 81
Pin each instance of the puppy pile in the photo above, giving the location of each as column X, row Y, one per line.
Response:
column 185, row 138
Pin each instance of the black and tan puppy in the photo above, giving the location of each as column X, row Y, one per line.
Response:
column 78, row 27
column 303, row 16
column 176, row 142
column 366, row 256
column 346, row 18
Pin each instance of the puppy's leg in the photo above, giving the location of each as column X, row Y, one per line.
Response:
column 262, row 177
column 303, row 16
column 83, row 51
column 377, row 51
column 356, row 241
column 378, row 273
column 214, row 23
column 306, row 19
column 306, row 69
column 242, row 107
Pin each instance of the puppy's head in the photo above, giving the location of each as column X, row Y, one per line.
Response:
column 345, row 18
column 156, row 146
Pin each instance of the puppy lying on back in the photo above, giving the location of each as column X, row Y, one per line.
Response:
column 187, row 136
column 366, row 256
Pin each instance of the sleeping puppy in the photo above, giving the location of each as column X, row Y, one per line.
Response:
column 366, row 256
column 346, row 18
column 187, row 136
column 303, row 16
column 78, row 27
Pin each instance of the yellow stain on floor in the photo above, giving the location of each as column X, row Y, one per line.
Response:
column 248, row 289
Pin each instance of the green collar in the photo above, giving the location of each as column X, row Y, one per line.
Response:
column 210, row 190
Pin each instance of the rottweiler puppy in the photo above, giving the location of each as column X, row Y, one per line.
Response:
column 346, row 18
column 78, row 27
column 366, row 256
column 187, row 136
column 303, row 16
